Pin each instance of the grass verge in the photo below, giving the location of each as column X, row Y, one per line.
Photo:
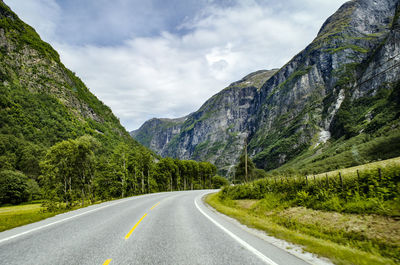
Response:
column 14, row 216
column 352, row 171
column 18, row 215
column 296, row 233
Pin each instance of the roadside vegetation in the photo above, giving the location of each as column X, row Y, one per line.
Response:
column 17, row 215
column 60, row 146
column 78, row 172
column 350, row 216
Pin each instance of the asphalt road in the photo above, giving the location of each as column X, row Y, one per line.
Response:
column 162, row 228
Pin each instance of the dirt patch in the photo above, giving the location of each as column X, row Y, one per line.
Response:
column 245, row 204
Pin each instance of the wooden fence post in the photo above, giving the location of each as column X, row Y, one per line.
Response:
column 341, row 181
column 306, row 180
column 327, row 181
column 380, row 174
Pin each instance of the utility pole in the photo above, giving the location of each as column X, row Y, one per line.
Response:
column 245, row 158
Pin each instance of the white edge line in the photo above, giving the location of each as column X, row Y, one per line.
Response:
column 238, row 239
column 65, row 219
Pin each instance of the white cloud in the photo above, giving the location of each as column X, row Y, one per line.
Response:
column 171, row 75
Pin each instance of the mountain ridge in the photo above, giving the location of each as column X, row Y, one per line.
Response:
column 307, row 105
column 42, row 102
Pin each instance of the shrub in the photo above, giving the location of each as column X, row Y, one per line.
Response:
column 219, row 182
column 13, row 187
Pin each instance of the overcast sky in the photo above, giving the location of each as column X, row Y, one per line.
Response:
column 165, row 58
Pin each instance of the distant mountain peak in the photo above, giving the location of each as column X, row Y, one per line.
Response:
column 331, row 91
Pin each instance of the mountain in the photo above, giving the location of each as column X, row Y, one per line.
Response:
column 336, row 103
column 215, row 132
column 42, row 102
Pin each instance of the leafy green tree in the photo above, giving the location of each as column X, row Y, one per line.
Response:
column 120, row 163
column 85, row 165
column 193, row 173
column 34, row 190
column 165, row 172
column 140, row 164
column 206, row 171
column 29, row 159
column 107, row 184
column 218, row 182
column 58, row 172
column 68, row 170
column 147, row 162
column 183, row 173
column 13, row 187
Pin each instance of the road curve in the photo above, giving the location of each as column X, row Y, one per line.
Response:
column 161, row 228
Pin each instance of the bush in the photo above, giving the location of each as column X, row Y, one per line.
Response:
column 374, row 191
column 218, row 182
column 33, row 189
column 13, row 187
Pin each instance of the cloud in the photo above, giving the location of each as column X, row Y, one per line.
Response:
column 174, row 72
column 43, row 15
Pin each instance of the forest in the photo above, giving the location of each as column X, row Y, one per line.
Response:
column 80, row 171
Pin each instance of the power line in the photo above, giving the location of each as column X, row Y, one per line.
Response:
column 384, row 71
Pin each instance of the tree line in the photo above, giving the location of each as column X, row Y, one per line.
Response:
column 80, row 171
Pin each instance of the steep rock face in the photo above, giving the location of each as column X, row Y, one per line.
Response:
column 302, row 99
column 306, row 102
column 157, row 133
column 215, row 132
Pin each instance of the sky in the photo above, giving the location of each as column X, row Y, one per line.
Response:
column 165, row 58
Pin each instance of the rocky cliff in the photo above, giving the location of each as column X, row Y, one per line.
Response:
column 215, row 132
column 332, row 90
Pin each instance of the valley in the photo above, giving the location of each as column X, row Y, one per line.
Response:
column 306, row 156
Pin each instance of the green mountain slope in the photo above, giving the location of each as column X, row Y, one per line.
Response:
column 42, row 102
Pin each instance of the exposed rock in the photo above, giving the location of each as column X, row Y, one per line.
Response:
column 280, row 112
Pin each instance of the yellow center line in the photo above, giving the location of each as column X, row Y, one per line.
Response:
column 154, row 205
column 130, row 232
column 107, row 262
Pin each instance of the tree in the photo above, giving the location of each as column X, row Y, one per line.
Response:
column 34, row 191
column 193, row 172
column 29, row 159
column 206, row 172
column 68, row 170
column 165, row 173
column 85, row 164
column 218, row 182
column 120, row 164
column 107, row 184
column 147, row 161
column 58, row 172
column 139, row 166
column 183, row 173
column 13, row 187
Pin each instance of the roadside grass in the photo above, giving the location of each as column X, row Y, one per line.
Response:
column 344, row 153
column 18, row 215
column 352, row 171
column 259, row 214
column 14, row 216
